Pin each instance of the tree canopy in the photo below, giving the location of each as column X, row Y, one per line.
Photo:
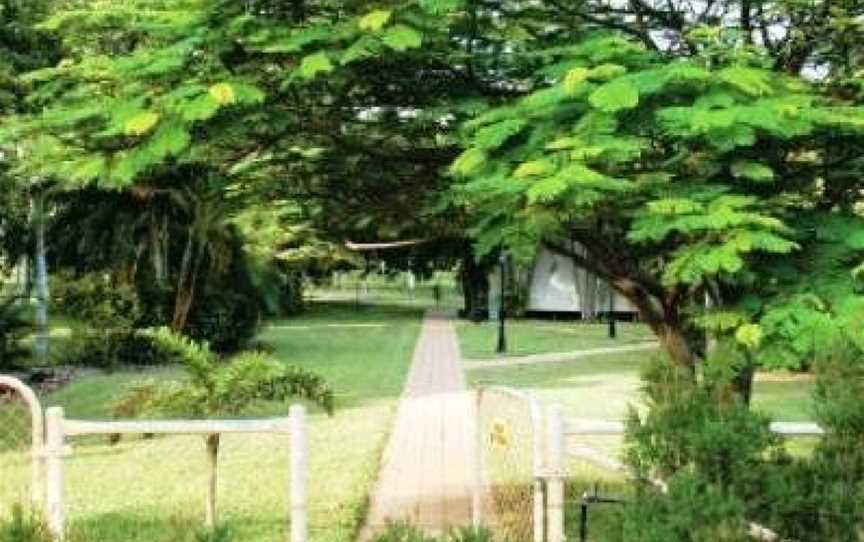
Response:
column 681, row 152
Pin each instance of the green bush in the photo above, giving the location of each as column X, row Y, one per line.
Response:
column 109, row 313
column 822, row 497
column 226, row 319
column 716, row 456
column 107, row 350
column 14, row 324
column 724, row 467
column 696, row 426
column 693, row 510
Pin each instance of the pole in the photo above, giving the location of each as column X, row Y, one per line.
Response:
column 555, row 473
column 502, row 339
column 613, row 332
column 54, row 472
column 299, row 474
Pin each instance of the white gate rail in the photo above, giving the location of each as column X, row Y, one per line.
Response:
column 58, row 428
column 37, row 435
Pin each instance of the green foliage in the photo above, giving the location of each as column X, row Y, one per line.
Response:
column 218, row 389
column 14, row 325
column 109, row 314
column 696, row 426
column 691, row 511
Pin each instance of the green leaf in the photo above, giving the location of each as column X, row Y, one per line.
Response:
column 606, row 72
column 749, row 80
column 363, row 48
column 222, row 93
column 468, row 162
column 141, row 123
column 754, row 171
column 201, row 108
column 89, row 169
column 533, row 168
column 574, row 79
column 493, row 136
column 401, row 38
column 313, row 64
column 441, row 7
column 749, row 335
column 171, row 139
column 374, row 20
column 615, row 96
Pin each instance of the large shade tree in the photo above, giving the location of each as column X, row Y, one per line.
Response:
column 683, row 161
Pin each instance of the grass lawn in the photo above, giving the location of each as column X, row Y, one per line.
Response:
column 525, row 337
column 131, row 491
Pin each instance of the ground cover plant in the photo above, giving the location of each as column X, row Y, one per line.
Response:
column 334, row 341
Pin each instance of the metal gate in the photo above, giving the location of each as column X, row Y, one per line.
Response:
column 509, row 493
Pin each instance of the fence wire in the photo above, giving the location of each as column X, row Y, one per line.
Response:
column 15, row 451
column 152, row 487
column 506, row 431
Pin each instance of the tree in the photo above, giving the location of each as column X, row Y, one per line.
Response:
column 212, row 389
column 670, row 180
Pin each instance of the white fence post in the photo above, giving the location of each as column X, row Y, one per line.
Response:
column 555, row 473
column 477, row 466
column 299, row 473
column 54, row 450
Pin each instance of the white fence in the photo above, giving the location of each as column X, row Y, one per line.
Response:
column 549, row 442
column 50, row 448
column 18, row 391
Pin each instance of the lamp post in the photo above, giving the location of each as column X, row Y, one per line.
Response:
column 502, row 338
column 612, row 331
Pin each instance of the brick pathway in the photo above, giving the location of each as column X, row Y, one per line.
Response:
column 425, row 477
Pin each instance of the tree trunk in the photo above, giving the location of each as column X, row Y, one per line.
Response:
column 156, row 253
column 187, row 282
column 213, row 461
column 742, row 382
column 674, row 342
column 475, row 287
column 40, row 345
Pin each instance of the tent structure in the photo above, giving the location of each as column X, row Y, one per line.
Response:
column 557, row 287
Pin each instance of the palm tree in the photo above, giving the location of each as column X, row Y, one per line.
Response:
column 214, row 389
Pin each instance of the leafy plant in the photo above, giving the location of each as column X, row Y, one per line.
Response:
column 13, row 326
column 109, row 311
column 213, row 389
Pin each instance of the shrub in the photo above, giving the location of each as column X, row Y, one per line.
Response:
column 226, row 319
column 109, row 312
column 13, row 326
column 822, row 498
column 106, row 350
column 693, row 510
column 696, row 426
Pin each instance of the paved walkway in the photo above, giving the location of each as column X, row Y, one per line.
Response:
column 558, row 357
column 426, row 472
